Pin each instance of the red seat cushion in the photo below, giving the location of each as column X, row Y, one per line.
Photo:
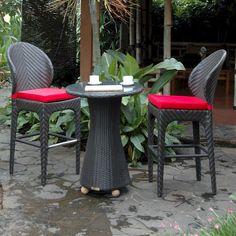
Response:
column 178, row 102
column 43, row 95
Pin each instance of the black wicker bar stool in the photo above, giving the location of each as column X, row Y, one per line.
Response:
column 32, row 75
column 197, row 108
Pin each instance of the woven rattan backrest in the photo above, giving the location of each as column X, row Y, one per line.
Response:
column 203, row 79
column 30, row 67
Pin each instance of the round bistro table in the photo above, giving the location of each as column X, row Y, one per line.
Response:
column 105, row 167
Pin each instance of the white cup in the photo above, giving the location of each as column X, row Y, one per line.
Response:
column 94, row 79
column 128, row 79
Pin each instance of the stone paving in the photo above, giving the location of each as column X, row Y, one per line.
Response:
column 27, row 208
column 60, row 209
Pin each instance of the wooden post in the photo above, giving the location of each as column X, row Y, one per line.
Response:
column 86, row 53
column 167, row 36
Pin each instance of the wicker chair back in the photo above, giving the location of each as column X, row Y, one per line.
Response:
column 203, row 79
column 30, row 67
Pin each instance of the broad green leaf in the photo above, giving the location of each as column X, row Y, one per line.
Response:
column 56, row 129
column 233, row 196
column 144, row 131
column 118, row 55
column 138, row 106
column 64, row 119
column 55, row 116
column 131, row 127
column 163, row 80
column 128, row 112
column 112, row 69
column 85, row 111
column 130, row 64
column 83, row 102
column 21, row 122
column 124, row 140
column 169, row 139
column 125, row 100
column 170, row 64
column 70, row 129
column 106, row 60
column 137, row 140
column 144, row 99
column 145, row 79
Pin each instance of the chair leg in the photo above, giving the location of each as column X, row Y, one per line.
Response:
column 77, row 136
column 151, row 123
column 44, row 129
column 196, row 140
column 210, row 148
column 161, row 155
column 14, row 116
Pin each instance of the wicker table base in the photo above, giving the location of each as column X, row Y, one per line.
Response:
column 105, row 167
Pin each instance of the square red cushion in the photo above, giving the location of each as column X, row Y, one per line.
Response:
column 43, row 95
column 178, row 102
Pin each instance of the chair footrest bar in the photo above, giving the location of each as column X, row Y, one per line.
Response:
column 153, row 149
column 185, row 155
column 28, row 135
column 180, row 145
column 191, row 145
column 50, row 133
column 63, row 143
column 61, row 136
column 27, row 142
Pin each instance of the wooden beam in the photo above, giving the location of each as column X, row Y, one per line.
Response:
column 85, row 42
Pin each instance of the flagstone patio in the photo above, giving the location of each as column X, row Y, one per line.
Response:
column 60, row 209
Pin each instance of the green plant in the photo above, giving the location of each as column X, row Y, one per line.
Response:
column 59, row 122
column 10, row 27
column 108, row 26
column 114, row 65
column 233, row 197
column 134, row 108
column 220, row 225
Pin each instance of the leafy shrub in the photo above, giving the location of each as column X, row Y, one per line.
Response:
column 10, row 28
column 133, row 109
column 61, row 122
column 114, row 65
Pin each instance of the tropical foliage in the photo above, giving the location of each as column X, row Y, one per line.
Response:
column 114, row 65
column 134, row 108
column 10, row 26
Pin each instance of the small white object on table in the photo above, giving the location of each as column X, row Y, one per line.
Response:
column 103, row 88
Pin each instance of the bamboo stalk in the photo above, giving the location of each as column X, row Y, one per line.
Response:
column 132, row 32
column 138, row 34
column 167, row 36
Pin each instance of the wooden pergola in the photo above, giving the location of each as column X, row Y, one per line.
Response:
column 86, row 37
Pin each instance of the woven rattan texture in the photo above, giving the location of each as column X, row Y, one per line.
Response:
column 105, row 166
column 202, row 82
column 30, row 69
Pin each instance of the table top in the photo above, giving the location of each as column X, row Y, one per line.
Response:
column 78, row 89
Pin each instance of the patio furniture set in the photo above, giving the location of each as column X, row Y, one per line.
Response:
column 104, row 166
